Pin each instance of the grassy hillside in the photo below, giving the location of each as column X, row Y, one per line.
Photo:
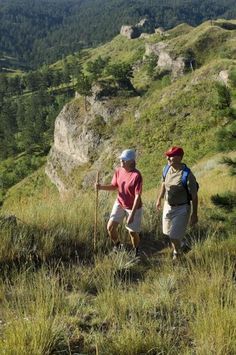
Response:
column 165, row 111
column 183, row 111
column 59, row 295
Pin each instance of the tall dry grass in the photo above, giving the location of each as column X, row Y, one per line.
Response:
column 122, row 307
column 74, row 301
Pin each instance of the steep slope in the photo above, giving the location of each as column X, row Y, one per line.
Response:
column 165, row 110
column 181, row 111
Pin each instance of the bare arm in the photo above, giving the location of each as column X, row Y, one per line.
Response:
column 194, row 215
column 160, row 196
column 136, row 204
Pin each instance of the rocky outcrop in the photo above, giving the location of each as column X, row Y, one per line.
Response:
column 165, row 61
column 73, row 144
column 223, row 77
column 78, row 139
column 144, row 26
column 130, row 32
column 155, row 48
column 160, row 30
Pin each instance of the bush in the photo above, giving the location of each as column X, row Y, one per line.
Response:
column 224, row 97
column 226, row 201
column 226, row 138
column 232, row 77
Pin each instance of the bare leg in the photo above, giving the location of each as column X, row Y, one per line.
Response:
column 135, row 239
column 135, row 243
column 176, row 245
column 112, row 231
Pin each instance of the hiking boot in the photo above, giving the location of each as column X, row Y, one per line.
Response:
column 177, row 256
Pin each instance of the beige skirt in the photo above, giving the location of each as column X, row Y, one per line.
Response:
column 175, row 220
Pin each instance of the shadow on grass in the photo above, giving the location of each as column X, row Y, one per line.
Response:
column 31, row 245
column 152, row 244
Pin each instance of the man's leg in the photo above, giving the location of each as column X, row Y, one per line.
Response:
column 170, row 228
column 176, row 245
column 179, row 224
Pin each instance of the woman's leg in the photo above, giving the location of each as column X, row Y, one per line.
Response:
column 112, row 231
column 116, row 217
column 135, row 239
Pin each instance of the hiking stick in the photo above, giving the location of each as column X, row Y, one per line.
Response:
column 96, row 215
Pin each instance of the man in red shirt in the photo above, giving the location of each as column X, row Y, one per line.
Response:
column 127, row 181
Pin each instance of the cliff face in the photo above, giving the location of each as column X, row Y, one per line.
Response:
column 78, row 141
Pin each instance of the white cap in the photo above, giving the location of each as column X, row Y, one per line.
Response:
column 128, row 154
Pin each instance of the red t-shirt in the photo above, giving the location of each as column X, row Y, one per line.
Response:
column 129, row 184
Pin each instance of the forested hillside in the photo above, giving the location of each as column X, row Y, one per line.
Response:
column 34, row 32
column 29, row 104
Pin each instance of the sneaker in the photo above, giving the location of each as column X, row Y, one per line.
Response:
column 115, row 249
column 175, row 255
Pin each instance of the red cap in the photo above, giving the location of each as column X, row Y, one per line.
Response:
column 174, row 151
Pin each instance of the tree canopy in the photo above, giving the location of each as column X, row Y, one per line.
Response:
column 37, row 32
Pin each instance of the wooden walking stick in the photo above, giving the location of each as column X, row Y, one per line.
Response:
column 96, row 215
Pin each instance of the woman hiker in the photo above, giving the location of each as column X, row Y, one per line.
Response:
column 179, row 189
column 127, row 181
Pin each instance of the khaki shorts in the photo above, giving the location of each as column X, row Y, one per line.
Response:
column 118, row 214
column 175, row 220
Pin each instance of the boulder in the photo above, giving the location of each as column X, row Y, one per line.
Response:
column 130, row 32
column 144, row 26
column 165, row 61
column 159, row 30
column 224, row 77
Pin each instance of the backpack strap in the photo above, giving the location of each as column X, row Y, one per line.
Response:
column 185, row 175
column 165, row 171
column 184, row 180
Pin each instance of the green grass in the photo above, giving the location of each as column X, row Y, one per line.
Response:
column 57, row 297
column 155, row 307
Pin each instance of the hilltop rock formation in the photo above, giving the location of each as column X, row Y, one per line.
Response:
column 144, row 26
column 129, row 31
column 165, row 61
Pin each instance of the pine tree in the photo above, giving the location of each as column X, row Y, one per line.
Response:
column 84, row 87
